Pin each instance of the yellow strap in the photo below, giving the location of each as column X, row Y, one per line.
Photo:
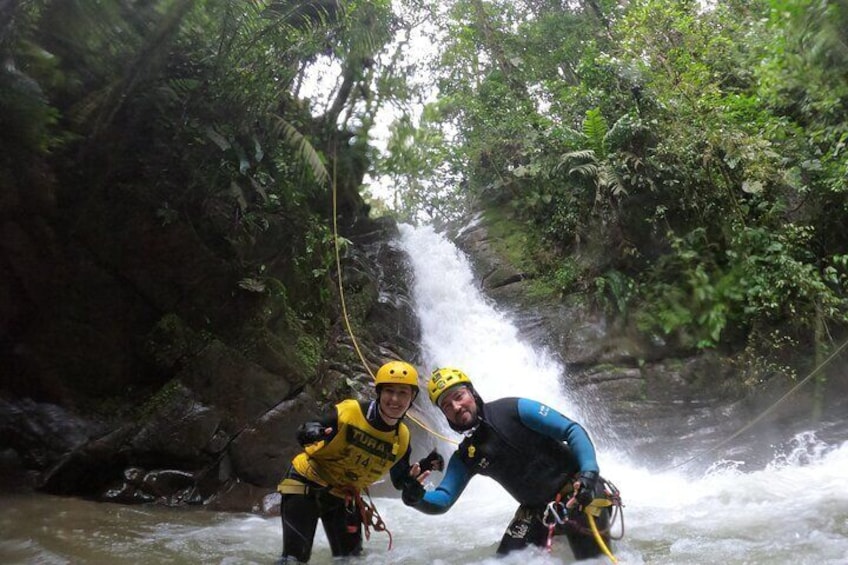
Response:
column 292, row 486
column 598, row 537
column 597, row 506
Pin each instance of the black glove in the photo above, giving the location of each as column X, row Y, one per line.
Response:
column 433, row 462
column 412, row 492
column 586, row 494
column 310, row 432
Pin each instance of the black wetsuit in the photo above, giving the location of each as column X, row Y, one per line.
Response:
column 534, row 452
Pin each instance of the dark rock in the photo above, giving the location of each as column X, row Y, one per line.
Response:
column 242, row 390
column 166, row 482
column 42, row 433
column 134, row 475
column 262, row 452
column 238, row 496
column 177, row 429
column 90, row 468
column 124, row 493
column 14, row 476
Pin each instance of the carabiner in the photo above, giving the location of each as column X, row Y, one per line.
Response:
column 555, row 510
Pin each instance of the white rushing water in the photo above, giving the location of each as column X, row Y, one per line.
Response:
column 793, row 511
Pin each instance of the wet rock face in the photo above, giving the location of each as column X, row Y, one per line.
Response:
column 221, row 431
column 166, row 486
column 40, row 433
column 261, row 453
column 642, row 395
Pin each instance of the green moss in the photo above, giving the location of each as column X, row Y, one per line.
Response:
column 540, row 289
column 309, row 352
column 519, row 244
column 164, row 396
column 511, row 239
column 172, row 340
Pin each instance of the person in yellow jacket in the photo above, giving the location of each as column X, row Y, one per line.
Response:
column 345, row 451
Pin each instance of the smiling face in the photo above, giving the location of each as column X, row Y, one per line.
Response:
column 459, row 406
column 395, row 400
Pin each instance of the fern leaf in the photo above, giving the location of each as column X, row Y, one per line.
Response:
column 589, row 170
column 595, row 129
column 302, row 147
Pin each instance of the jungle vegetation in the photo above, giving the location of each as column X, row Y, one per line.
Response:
column 680, row 163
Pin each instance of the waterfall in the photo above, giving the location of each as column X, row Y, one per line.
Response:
column 460, row 328
column 725, row 516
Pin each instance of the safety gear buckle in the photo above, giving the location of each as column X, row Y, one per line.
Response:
column 555, row 513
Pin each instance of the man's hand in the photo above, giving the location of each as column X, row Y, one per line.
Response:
column 413, row 489
column 433, row 462
column 312, row 432
column 584, row 488
column 413, row 486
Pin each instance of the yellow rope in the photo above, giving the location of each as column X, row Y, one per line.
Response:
column 766, row 412
column 598, row 537
column 344, row 308
column 339, row 272
column 431, row 432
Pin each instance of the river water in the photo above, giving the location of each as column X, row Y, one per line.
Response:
column 792, row 509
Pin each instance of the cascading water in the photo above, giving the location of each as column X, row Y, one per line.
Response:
column 795, row 510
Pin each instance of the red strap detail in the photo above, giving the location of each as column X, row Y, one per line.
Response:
column 368, row 513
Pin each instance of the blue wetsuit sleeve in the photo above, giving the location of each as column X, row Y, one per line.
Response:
column 440, row 500
column 547, row 421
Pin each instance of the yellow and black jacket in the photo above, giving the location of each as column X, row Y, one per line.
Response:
column 361, row 449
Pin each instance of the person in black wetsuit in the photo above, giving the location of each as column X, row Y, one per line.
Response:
column 537, row 454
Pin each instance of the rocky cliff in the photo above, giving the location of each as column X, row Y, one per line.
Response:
column 217, row 428
column 642, row 394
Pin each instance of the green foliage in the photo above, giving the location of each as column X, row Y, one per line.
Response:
column 193, row 124
column 566, row 276
column 766, row 356
column 685, row 159
column 783, row 283
column 715, row 203
column 615, row 292
column 702, row 298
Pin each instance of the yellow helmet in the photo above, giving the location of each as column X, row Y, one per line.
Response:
column 443, row 379
column 397, row 373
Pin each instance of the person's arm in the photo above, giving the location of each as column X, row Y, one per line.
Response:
column 324, row 428
column 399, row 473
column 403, row 470
column 547, row 421
column 440, row 500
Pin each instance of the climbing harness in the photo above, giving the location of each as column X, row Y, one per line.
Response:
column 292, row 486
column 357, row 509
column 558, row 513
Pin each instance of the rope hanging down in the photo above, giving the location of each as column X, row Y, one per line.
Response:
column 767, row 411
column 345, row 314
